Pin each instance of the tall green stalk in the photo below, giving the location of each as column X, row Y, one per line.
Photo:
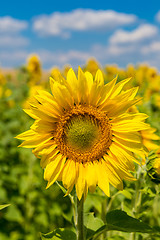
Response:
column 80, row 219
column 137, row 197
column 103, row 216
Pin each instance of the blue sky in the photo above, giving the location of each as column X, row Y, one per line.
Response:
column 70, row 32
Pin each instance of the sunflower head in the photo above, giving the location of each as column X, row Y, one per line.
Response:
column 83, row 133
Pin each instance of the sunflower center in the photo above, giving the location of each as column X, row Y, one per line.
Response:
column 83, row 134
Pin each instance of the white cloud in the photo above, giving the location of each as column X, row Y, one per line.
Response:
column 61, row 24
column 10, row 29
column 63, row 57
column 11, row 25
column 108, row 52
column 120, row 50
column 157, row 17
column 48, row 58
column 121, row 55
column 143, row 32
column 13, row 41
column 153, row 47
column 13, row 58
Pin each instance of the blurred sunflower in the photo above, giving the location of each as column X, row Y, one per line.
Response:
column 147, row 138
column 153, row 166
column 34, row 69
column 2, row 79
column 83, row 134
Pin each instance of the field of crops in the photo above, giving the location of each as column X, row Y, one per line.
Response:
column 34, row 209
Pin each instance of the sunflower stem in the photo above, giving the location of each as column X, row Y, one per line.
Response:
column 80, row 219
column 137, row 198
column 103, row 216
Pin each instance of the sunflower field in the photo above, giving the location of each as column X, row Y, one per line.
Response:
column 97, row 138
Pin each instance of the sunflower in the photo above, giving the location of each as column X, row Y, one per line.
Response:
column 34, row 69
column 84, row 134
column 147, row 138
column 153, row 166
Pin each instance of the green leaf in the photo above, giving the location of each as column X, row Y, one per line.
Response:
column 14, row 214
column 119, row 220
column 126, row 193
column 92, row 225
column 93, row 201
column 116, row 237
column 59, row 234
column 4, row 206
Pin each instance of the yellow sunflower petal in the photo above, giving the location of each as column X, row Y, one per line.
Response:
column 122, row 172
column 113, row 177
column 46, row 158
column 26, row 135
column 150, row 145
column 43, row 126
column 103, row 181
column 106, row 91
column 131, row 136
column 53, row 170
column 131, row 146
column 91, row 176
column 116, row 148
column 80, row 180
column 136, row 117
column 130, row 125
column 83, row 90
column 69, row 174
column 49, row 104
column 118, row 87
column 72, row 84
column 43, row 148
column 42, row 113
column 89, row 78
column 30, row 113
column 98, row 84
column 61, row 94
column 36, row 141
column 127, row 95
column 149, row 134
column 121, row 108
column 99, row 80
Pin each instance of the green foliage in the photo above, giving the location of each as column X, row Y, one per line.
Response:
column 116, row 237
column 33, row 208
column 59, row 234
column 120, row 221
column 117, row 220
column 4, row 206
column 93, row 225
